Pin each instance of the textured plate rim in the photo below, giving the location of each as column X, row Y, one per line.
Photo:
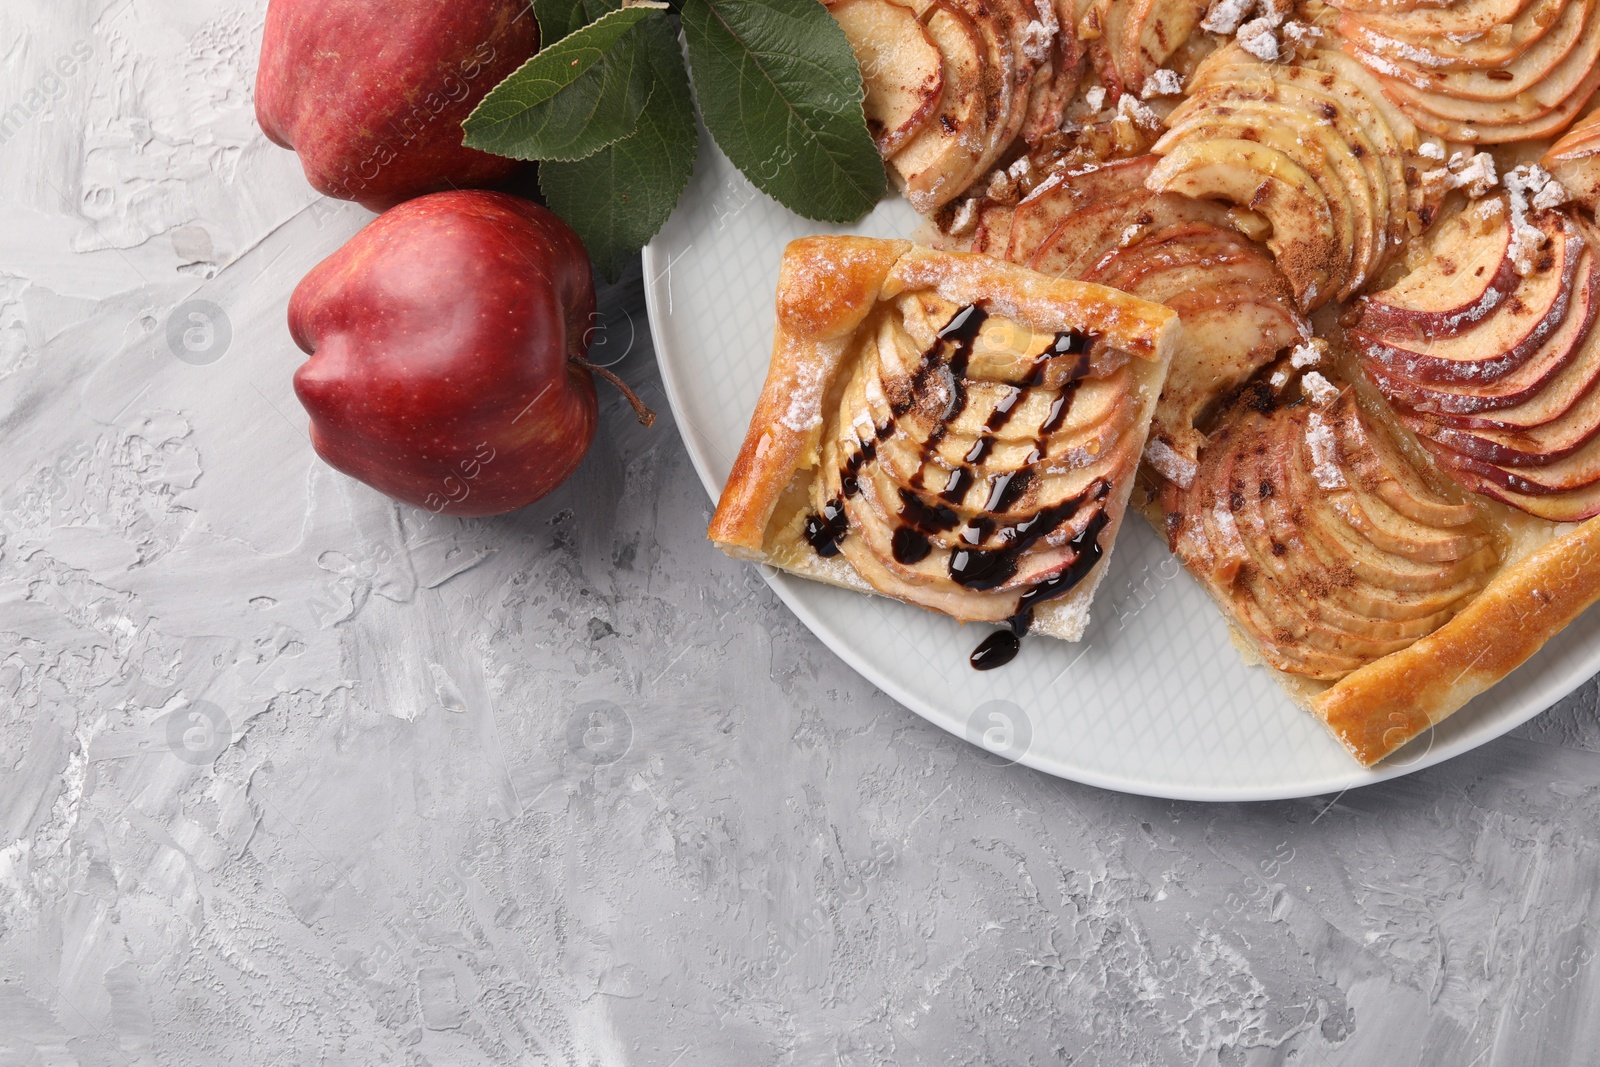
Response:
column 786, row 588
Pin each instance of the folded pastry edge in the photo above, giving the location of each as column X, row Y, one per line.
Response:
column 827, row 285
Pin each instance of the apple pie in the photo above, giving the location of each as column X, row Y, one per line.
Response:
column 947, row 429
column 1377, row 445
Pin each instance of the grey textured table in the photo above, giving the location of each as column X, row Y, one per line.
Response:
column 292, row 775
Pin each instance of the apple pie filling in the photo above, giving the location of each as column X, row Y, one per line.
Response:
column 969, row 459
column 1495, row 364
column 1330, row 548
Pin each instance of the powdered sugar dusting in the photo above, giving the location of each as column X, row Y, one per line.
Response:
column 1162, row 83
column 1308, row 354
column 1257, row 37
column 1318, row 389
column 1132, row 110
column 1232, row 543
column 1170, row 464
column 1040, row 34
column 805, row 399
column 1261, row 27
column 1324, row 453
column 1476, row 174
column 1225, row 16
column 1530, row 188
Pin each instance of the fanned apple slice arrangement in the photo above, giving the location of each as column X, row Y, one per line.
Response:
column 1313, row 146
column 1129, row 41
column 1324, row 541
column 1500, row 385
column 1378, row 443
column 950, row 84
column 1481, row 71
column 948, row 430
column 1237, row 310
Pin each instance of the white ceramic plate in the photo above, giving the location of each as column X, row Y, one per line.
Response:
column 1155, row 700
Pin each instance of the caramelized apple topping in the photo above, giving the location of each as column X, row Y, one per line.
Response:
column 951, row 84
column 1314, row 147
column 1238, row 312
column 1496, row 371
column 1325, row 542
column 969, row 463
column 1480, row 72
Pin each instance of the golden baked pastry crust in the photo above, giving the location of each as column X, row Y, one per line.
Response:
column 828, row 287
column 1290, row 212
column 1379, row 708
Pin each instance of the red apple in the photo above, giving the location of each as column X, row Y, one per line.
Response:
column 446, row 343
column 372, row 93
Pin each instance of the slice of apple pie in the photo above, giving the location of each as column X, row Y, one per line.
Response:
column 947, row 429
column 1389, row 523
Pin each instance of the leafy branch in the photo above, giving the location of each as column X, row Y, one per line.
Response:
column 606, row 107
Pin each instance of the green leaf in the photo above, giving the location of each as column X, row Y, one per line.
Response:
column 558, row 18
column 780, row 91
column 574, row 97
column 618, row 198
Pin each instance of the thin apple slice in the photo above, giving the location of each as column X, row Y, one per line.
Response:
column 1268, row 590
column 940, row 160
column 1503, row 341
column 1050, row 95
column 1371, row 624
column 1494, row 131
column 1230, row 331
column 1501, row 46
column 1083, row 236
column 1317, row 467
column 1555, row 399
column 1154, row 31
column 1387, row 585
column 1304, row 238
column 1327, row 97
column 1237, row 311
column 1463, row 19
column 1065, row 192
column 1324, row 156
column 1172, row 260
column 1011, row 66
column 1536, row 446
column 1385, row 7
column 1406, row 133
column 1465, row 271
column 1104, row 29
column 1530, row 382
column 992, row 232
column 901, row 67
column 1575, row 506
column 1543, row 111
column 1369, row 461
column 1575, row 161
column 1568, row 38
column 1523, row 386
column 1348, row 144
column 1572, row 473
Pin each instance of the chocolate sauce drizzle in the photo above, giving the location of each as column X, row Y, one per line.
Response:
column 923, row 514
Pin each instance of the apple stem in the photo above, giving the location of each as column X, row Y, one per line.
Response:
column 645, row 415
